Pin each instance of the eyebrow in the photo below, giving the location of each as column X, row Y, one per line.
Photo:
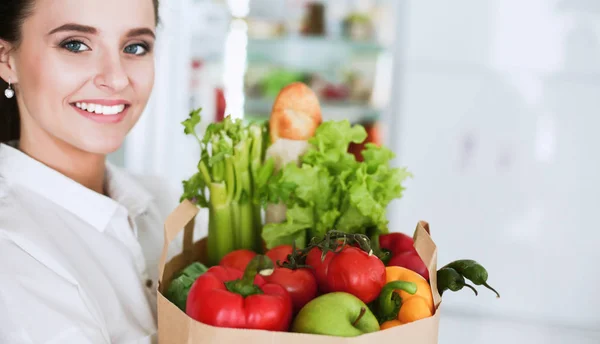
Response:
column 74, row 27
column 91, row 30
column 143, row 31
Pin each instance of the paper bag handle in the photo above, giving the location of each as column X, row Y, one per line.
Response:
column 428, row 252
column 181, row 218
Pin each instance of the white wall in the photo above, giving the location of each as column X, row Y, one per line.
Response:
column 499, row 119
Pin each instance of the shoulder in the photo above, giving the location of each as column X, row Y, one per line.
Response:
column 165, row 198
column 15, row 207
column 161, row 192
column 165, row 195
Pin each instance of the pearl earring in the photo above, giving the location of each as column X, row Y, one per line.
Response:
column 9, row 92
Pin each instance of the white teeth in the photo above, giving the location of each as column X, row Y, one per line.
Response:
column 101, row 109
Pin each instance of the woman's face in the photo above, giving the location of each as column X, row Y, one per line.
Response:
column 85, row 70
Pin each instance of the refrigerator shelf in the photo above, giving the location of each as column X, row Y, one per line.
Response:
column 257, row 109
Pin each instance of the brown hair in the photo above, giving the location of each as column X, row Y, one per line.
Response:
column 12, row 15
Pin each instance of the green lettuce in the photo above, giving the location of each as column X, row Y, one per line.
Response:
column 332, row 190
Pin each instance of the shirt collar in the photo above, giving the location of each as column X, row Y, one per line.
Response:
column 96, row 209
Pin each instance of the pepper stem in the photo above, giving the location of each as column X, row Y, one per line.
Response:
column 386, row 304
column 363, row 310
column 245, row 286
column 472, row 288
column 492, row 289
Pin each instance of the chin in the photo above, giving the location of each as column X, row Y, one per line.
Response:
column 101, row 146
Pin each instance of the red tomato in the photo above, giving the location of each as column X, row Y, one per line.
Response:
column 356, row 272
column 301, row 284
column 319, row 268
column 412, row 261
column 279, row 253
column 237, row 259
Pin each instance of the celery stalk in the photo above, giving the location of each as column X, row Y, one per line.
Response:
column 219, row 224
column 246, row 228
column 257, row 151
column 244, row 223
column 231, row 174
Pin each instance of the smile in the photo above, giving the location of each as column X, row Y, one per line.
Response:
column 98, row 109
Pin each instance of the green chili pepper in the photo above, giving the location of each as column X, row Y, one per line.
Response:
column 472, row 271
column 450, row 279
column 387, row 305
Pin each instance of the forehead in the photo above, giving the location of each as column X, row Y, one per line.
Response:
column 109, row 16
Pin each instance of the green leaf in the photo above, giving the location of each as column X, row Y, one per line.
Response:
column 180, row 286
column 193, row 189
column 285, row 233
column 192, row 121
column 339, row 191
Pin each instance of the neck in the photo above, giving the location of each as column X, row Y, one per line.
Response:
column 83, row 167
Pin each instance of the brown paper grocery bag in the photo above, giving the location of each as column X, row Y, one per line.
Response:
column 175, row 327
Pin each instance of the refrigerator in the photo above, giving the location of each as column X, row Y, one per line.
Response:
column 491, row 104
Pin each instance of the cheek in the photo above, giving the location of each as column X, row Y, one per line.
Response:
column 51, row 79
column 141, row 74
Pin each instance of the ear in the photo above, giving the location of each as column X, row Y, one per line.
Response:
column 7, row 66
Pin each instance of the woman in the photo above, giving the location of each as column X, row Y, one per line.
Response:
column 79, row 238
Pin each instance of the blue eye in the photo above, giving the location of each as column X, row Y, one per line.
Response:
column 75, row 46
column 136, row 49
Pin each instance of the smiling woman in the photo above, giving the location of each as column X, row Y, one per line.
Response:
column 79, row 238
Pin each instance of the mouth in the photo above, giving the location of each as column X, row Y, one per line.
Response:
column 103, row 111
column 100, row 109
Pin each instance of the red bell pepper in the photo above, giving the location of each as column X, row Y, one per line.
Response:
column 403, row 253
column 228, row 297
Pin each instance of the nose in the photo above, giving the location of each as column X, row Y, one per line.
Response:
column 111, row 76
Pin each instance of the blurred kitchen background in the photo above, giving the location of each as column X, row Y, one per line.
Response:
column 493, row 105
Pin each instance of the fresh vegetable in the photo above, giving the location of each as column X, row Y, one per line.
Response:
column 238, row 259
column 356, row 272
column 396, row 243
column 231, row 172
column 332, row 190
column 300, row 283
column 403, row 253
column 340, row 266
column 388, row 304
column 412, row 261
column 472, row 271
column 182, row 282
column 319, row 263
column 279, row 254
column 405, row 304
column 335, row 314
column 227, row 297
column 450, row 279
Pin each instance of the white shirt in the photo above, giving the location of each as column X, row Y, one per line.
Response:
column 77, row 266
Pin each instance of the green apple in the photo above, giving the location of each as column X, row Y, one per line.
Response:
column 336, row 314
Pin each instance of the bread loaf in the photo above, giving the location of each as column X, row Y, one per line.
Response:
column 296, row 113
column 294, row 119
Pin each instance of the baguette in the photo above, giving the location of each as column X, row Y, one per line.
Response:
column 294, row 120
column 296, row 113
